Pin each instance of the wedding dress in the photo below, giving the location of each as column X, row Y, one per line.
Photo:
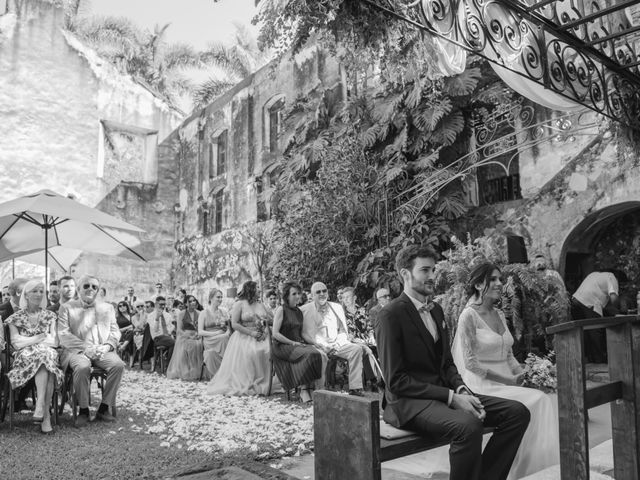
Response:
column 477, row 348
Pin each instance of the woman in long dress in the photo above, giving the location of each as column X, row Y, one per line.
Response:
column 33, row 338
column 482, row 352
column 212, row 327
column 186, row 361
column 296, row 363
column 245, row 366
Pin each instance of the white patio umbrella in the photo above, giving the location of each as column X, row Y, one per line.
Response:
column 44, row 220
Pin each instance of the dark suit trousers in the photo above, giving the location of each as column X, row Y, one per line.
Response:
column 509, row 419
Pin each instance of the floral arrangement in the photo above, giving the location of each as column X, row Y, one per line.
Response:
column 540, row 372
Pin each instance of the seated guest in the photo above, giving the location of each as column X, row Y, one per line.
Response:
column 325, row 326
column 159, row 292
column 53, row 296
column 161, row 326
column 360, row 330
column 67, row 289
column 186, row 361
column 33, row 337
column 123, row 318
column 11, row 305
column 102, row 295
column 245, row 366
column 383, row 297
column 358, row 325
column 271, row 301
column 89, row 335
column 212, row 327
column 295, row 361
column 130, row 298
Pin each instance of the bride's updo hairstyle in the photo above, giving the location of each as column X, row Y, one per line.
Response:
column 249, row 292
column 481, row 273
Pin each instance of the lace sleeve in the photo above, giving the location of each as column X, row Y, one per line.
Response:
column 468, row 343
column 514, row 365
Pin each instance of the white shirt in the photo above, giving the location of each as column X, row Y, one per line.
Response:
column 426, row 317
column 595, row 289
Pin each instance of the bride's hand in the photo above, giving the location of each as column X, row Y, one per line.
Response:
column 519, row 378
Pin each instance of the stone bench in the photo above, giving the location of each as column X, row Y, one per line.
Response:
column 347, row 441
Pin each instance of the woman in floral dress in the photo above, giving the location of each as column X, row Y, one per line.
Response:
column 212, row 327
column 186, row 361
column 245, row 368
column 33, row 338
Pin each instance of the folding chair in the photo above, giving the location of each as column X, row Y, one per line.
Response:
column 69, row 394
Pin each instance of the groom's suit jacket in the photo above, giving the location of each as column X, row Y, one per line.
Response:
column 417, row 370
column 73, row 329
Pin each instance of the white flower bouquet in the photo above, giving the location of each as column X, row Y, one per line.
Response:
column 540, row 372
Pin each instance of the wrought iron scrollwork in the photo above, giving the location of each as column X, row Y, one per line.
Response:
column 584, row 50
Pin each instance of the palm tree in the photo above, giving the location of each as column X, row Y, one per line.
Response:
column 144, row 55
column 233, row 63
column 147, row 57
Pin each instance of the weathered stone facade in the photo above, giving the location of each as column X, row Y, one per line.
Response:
column 224, row 157
column 72, row 123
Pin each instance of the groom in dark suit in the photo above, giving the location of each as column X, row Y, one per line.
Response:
column 424, row 391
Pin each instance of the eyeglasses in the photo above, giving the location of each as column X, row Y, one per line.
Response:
column 321, row 291
column 162, row 305
column 88, row 286
column 138, row 307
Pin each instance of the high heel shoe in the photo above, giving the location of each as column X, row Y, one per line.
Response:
column 46, row 427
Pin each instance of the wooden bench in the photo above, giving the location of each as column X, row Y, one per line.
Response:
column 347, row 440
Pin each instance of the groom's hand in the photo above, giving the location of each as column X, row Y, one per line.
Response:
column 469, row 404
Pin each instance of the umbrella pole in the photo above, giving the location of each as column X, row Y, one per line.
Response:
column 46, row 257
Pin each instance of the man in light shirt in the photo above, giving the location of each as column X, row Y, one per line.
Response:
column 325, row 326
column 161, row 326
column 89, row 335
column 596, row 292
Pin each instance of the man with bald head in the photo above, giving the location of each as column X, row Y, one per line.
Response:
column 325, row 326
column 89, row 334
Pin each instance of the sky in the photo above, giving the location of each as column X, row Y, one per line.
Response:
column 196, row 22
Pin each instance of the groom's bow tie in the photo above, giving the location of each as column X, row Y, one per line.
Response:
column 88, row 306
column 426, row 307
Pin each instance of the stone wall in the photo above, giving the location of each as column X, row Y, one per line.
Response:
column 243, row 113
column 72, row 123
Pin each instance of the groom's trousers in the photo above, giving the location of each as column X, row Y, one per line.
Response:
column 467, row 460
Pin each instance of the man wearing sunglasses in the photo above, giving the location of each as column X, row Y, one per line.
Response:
column 325, row 326
column 89, row 334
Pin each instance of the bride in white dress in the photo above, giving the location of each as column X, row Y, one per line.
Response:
column 482, row 352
